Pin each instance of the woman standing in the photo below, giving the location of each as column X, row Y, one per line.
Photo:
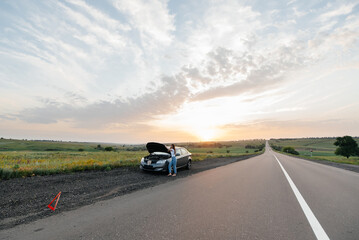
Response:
column 173, row 161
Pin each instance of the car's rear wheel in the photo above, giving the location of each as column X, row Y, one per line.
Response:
column 189, row 164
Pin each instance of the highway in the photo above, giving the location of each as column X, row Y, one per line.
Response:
column 271, row 196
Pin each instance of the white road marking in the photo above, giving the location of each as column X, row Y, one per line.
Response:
column 313, row 221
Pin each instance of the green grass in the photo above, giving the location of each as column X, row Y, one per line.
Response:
column 29, row 158
column 204, row 150
column 199, row 154
column 323, row 149
column 32, row 145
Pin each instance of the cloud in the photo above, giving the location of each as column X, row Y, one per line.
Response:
column 337, row 11
column 258, row 80
column 249, row 72
column 47, row 44
column 226, row 24
column 151, row 19
column 166, row 99
column 6, row 117
column 242, row 68
column 341, row 37
column 291, row 2
column 100, row 17
column 104, row 30
column 298, row 13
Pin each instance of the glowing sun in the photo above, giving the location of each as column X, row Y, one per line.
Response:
column 206, row 134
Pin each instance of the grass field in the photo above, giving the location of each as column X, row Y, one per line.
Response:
column 22, row 158
column 323, row 149
column 35, row 145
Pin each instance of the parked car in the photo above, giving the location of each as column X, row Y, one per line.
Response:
column 159, row 158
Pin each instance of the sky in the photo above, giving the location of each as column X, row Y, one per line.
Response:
column 178, row 71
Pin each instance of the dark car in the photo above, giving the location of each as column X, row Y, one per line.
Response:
column 159, row 158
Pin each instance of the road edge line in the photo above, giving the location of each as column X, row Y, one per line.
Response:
column 313, row 221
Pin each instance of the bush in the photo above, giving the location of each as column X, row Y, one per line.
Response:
column 134, row 149
column 81, row 149
column 248, row 146
column 6, row 173
column 259, row 147
column 290, row 150
column 277, row 148
column 108, row 149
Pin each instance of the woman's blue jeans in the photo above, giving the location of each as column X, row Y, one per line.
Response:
column 172, row 163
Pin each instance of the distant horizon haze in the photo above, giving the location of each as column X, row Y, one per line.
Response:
column 141, row 143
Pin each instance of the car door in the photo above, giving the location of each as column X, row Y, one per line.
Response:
column 179, row 157
column 185, row 156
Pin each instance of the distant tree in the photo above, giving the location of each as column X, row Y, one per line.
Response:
column 260, row 147
column 290, row 150
column 248, row 146
column 81, row 149
column 108, row 149
column 99, row 147
column 347, row 146
column 278, row 148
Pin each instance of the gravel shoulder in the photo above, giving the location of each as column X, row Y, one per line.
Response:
column 23, row 200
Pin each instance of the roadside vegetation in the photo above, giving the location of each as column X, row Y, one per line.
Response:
column 319, row 149
column 203, row 150
column 24, row 158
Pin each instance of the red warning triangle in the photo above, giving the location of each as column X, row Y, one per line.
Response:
column 58, row 197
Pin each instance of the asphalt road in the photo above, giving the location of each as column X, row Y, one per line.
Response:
column 251, row 199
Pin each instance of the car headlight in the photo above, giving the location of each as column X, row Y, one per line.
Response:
column 142, row 160
column 161, row 161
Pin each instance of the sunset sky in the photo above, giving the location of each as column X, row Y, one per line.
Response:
column 171, row 71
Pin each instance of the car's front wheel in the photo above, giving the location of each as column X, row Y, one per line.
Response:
column 189, row 164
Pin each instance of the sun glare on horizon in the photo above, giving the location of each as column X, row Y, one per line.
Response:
column 206, row 134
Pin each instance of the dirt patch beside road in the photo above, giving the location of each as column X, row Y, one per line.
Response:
column 25, row 200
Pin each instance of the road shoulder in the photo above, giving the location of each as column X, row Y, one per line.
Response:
column 25, row 200
column 349, row 167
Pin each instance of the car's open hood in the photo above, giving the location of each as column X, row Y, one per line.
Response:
column 156, row 147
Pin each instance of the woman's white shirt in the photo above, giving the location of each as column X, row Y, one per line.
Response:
column 172, row 152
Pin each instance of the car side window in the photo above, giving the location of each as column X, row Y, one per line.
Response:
column 184, row 151
column 178, row 151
